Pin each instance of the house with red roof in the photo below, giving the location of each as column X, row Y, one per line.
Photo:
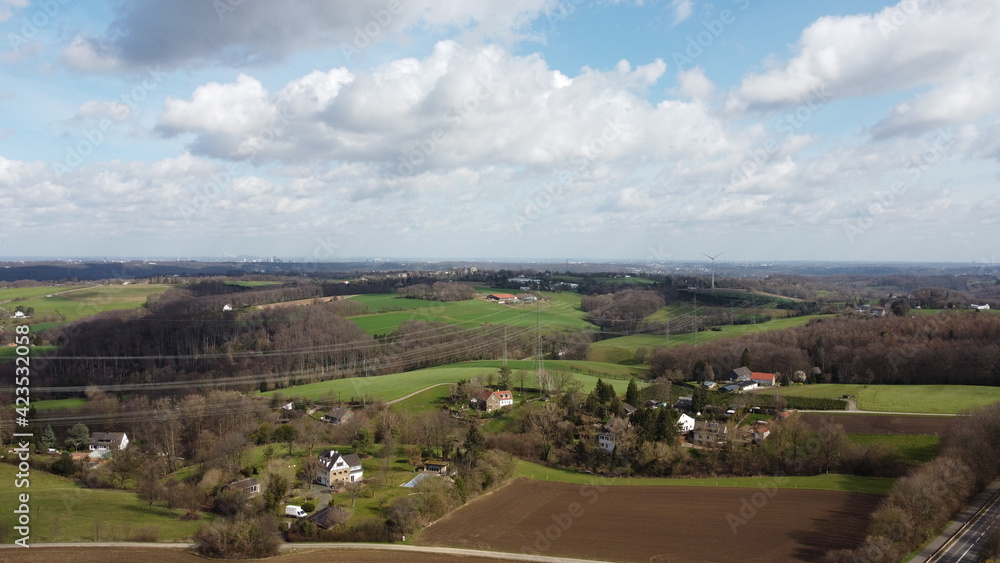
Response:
column 489, row 400
column 502, row 297
column 763, row 379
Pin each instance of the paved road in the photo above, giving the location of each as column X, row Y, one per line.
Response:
column 962, row 542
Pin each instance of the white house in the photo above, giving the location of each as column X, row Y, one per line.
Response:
column 763, row 379
column 685, row 424
column 335, row 468
column 606, row 440
column 227, row 307
column 108, row 441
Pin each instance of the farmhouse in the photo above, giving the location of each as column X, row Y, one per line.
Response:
column 760, row 432
column 336, row 469
column 108, row 441
column 489, row 400
column 338, row 415
column 502, row 297
column 741, row 373
column 763, row 379
column 248, row 486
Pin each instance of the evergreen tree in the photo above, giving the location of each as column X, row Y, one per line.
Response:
column 632, row 393
column 48, row 438
column 745, row 359
column 475, row 444
column 78, row 437
column 698, row 400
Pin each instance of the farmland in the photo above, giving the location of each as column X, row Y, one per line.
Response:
column 881, row 423
column 302, row 554
column 557, row 311
column 562, row 519
column 396, row 385
column 60, row 304
column 624, row 347
column 931, row 399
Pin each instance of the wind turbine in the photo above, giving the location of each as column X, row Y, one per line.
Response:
column 712, row 258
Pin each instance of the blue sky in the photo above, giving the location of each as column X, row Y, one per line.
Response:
column 528, row 129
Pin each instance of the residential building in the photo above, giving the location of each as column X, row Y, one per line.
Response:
column 685, row 423
column 763, row 379
column 436, row 466
column 249, row 486
column 337, row 469
column 741, row 373
column 108, row 441
column 710, row 434
column 606, row 440
column 338, row 415
column 490, row 400
column 502, row 297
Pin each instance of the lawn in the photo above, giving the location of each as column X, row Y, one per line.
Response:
column 915, row 449
column 62, row 511
column 393, row 386
column 827, row 482
column 934, row 399
column 558, row 311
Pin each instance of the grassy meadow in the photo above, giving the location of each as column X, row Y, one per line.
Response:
column 932, row 399
column 62, row 511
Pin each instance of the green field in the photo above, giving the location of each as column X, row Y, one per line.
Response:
column 933, row 399
column 53, row 404
column 428, row 400
column 915, row 449
column 623, row 348
column 558, row 311
column 9, row 352
column 826, row 482
column 393, row 386
column 62, row 511
column 66, row 305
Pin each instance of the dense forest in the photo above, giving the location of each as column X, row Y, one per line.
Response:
column 945, row 348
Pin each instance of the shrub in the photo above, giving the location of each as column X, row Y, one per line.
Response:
column 239, row 538
column 309, row 506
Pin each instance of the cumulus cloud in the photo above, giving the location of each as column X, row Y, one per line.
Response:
column 7, row 8
column 249, row 33
column 903, row 46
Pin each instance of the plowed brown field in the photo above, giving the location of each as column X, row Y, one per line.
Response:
column 881, row 423
column 650, row 523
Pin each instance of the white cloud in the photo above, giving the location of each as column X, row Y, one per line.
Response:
column 682, row 10
column 869, row 54
column 7, row 8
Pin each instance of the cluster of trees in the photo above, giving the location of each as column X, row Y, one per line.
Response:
column 946, row 348
column 438, row 291
column 921, row 503
column 622, row 311
column 189, row 338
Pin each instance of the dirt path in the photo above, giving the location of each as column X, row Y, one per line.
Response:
column 403, row 398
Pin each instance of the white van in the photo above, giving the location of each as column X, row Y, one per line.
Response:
column 295, row 511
